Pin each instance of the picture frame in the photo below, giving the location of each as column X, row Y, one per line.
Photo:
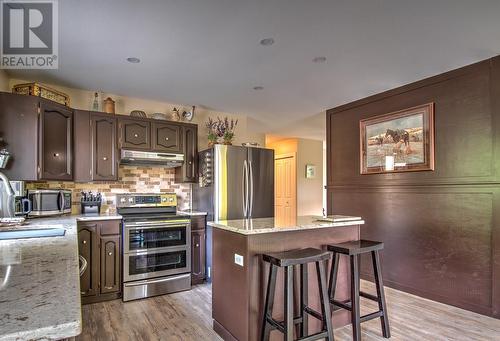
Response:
column 310, row 171
column 401, row 141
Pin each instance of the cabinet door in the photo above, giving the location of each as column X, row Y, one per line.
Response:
column 188, row 172
column 55, row 142
column 134, row 134
column 104, row 155
column 198, row 256
column 88, row 250
column 110, row 264
column 167, row 137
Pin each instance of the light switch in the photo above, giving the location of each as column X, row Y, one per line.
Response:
column 238, row 259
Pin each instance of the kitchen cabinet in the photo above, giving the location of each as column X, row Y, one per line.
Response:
column 95, row 144
column 188, row 172
column 134, row 134
column 198, row 249
column 104, row 153
column 38, row 134
column 167, row 137
column 99, row 244
column 55, row 142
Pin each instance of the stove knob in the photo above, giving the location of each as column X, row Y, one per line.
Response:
column 171, row 199
column 122, row 200
column 131, row 200
column 164, row 199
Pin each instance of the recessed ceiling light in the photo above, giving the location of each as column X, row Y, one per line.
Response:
column 319, row 59
column 267, row 42
column 134, row 60
column 258, row 87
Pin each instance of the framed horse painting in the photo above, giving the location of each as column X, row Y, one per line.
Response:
column 401, row 141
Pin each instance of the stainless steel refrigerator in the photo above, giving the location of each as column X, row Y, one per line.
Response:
column 235, row 183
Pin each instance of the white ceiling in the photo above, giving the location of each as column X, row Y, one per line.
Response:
column 207, row 52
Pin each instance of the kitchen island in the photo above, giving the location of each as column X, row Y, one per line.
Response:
column 239, row 276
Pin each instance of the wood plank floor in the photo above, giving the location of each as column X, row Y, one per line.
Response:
column 187, row 316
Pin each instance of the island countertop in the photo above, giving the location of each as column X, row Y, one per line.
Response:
column 271, row 225
column 40, row 282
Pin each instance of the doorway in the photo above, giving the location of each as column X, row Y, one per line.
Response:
column 285, row 180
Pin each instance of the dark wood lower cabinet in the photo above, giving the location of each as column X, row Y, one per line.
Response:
column 198, row 249
column 99, row 246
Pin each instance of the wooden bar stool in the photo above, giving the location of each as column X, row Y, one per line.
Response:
column 288, row 260
column 353, row 249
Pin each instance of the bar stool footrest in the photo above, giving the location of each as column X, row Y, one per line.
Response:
column 313, row 313
column 368, row 296
column 371, row 316
column 317, row 336
column 280, row 325
column 341, row 305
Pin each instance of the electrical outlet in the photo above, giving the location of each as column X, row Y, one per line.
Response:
column 238, row 259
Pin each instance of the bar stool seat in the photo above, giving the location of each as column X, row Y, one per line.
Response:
column 296, row 257
column 287, row 260
column 354, row 249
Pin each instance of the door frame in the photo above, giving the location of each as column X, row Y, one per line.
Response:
column 293, row 156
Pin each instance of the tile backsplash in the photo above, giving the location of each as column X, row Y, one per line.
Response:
column 131, row 179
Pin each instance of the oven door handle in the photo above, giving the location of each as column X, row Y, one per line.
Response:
column 135, row 228
column 151, row 281
column 152, row 223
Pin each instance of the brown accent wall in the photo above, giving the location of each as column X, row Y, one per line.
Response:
column 441, row 227
column 131, row 179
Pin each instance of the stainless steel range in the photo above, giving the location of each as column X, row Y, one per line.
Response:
column 156, row 245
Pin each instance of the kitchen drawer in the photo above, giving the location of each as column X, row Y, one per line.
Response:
column 110, row 227
column 197, row 223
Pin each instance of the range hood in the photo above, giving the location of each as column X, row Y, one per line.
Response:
column 137, row 157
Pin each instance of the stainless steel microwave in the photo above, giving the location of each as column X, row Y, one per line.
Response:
column 46, row 202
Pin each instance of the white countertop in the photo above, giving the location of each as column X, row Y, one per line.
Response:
column 191, row 213
column 40, row 299
column 270, row 225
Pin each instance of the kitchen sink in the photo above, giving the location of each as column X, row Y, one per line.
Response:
column 32, row 233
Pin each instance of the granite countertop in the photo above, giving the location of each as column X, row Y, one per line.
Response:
column 40, row 282
column 191, row 213
column 270, row 225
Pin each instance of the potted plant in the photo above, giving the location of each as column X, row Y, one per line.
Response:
column 221, row 130
column 212, row 136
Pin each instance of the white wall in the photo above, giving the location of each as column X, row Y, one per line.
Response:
column 83, row 99
column 309, row 191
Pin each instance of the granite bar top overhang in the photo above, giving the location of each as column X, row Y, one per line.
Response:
column 273, row 225
column 40, row 282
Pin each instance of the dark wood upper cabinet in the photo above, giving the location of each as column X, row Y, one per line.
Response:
column 55, row 142
column 188, row 172
column 167, row 137
column 95, row 144
column 38, row 134
column 104, row 153
column 134, row 133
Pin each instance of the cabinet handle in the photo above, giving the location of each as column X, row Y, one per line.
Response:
column 110, row 253
column 105, row 158
column 136, row 135
column 84, row 242
column 197, row 245
column 56, row 154
column 166, row 138
column 190, row 162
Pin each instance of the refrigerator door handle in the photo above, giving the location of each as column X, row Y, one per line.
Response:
column 244, row 188
column 250, row 209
